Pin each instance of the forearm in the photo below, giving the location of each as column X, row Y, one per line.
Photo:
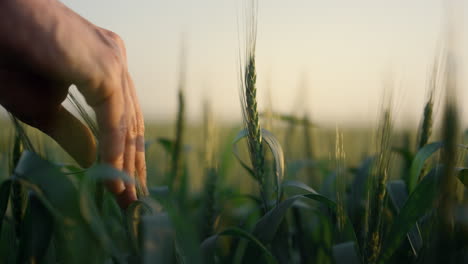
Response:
column 47, row 37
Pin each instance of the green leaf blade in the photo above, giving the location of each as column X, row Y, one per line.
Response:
column 418, row 163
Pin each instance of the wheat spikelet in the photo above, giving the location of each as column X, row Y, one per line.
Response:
column 248, row 95
column 425, row 129
column 426, row 126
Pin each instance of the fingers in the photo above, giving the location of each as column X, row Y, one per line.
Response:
column 140, row 164
column 120, row 121
column 130, row 147
column 122, row 139
column 140, row 160
column 112, row 133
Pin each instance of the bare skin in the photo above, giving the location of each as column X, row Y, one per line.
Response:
column 45, row 48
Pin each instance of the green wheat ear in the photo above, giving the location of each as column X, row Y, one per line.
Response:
column 426, row 126
column 425, row 129
column 248, row 95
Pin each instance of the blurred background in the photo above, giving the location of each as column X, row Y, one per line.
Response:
column 330, row 59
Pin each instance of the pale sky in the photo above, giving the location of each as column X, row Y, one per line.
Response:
column 343, row 50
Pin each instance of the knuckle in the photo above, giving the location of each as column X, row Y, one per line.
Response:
column 141, row 127
column 112, row 63
column 114, row 37
column 116, row 47
column 111, row 77
column 117, row 41
column 132, row 134
column 114, row 43
column 120, row 131
column 142, row 169
column 142, row 165
column 132, row 130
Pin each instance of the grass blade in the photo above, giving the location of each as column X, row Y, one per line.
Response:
column 398, row 194
column 418, row 163
column 37, row 229
column 278, row 155
column 420, row 201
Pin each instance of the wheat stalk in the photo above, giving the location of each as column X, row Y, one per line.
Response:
column 447, row 182
column 176, row 161
column 377, row 201
column 248, row 96
column 425, row 129
column 175, row 180
column 211, row 175
column 340, row 187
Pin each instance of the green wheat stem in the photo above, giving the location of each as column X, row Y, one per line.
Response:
column 445, row 210
column 176, row 182
column 308, row 151
column 176, row 160
column 340, row 188
column 211, row 174
column 447, row 185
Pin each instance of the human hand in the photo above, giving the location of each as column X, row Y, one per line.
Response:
column 46, row 47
